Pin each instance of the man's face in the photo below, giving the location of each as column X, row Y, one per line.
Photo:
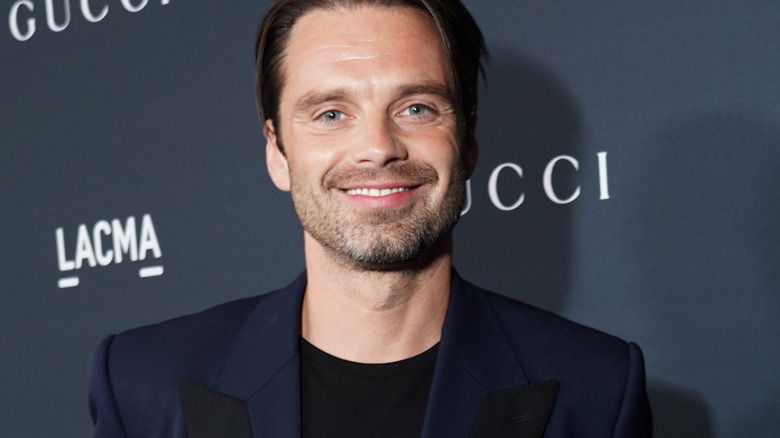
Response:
column 368, row 120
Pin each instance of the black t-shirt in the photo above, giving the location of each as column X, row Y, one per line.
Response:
column 340, row 398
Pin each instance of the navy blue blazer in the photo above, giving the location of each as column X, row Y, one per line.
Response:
column 504, row 369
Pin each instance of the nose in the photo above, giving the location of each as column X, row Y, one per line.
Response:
column 378, row 143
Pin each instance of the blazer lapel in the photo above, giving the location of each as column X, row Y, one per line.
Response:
column 479, row 386
column 210, row 414
column 522, row 411
column 261, row 374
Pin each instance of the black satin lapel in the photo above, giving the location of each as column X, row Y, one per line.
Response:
column 522, row 411
column 211, row 414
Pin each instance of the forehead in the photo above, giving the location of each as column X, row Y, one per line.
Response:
column 370, row 40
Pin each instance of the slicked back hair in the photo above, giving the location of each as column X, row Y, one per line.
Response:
column 460, row 35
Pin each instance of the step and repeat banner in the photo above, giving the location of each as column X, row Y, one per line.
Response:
column 629, row 179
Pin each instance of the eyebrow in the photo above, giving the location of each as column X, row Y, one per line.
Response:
column 313, row 99
column 433, row 88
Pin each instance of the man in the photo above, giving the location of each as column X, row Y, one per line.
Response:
column 369, row 112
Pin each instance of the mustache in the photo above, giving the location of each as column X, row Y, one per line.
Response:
column 406, row 173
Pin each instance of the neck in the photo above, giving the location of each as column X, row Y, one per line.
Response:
column 373, row 316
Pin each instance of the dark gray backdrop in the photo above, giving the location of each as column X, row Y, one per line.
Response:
column 151, row 113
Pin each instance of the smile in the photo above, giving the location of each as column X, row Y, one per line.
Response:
column 376, row 192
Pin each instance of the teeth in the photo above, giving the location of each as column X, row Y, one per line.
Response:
column 376, row 192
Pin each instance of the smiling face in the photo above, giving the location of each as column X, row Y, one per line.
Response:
column 371, row 152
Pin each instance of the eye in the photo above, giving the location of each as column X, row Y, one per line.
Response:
column 416, row 110
column 331, row 116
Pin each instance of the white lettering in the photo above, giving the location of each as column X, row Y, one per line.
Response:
column 86, row 11
column 603, row 179
column 151, row 271
column 547, row 180
column 15, row 27
column 64, row 283
column 64, row 264
column 129, row 6
column 13, row 20
column 101, row 228
column 493, row 187
column 148, row 239
column 467, row 205
column 124, row 239
column 84, row 248
column 91, row 248
column 50, row 16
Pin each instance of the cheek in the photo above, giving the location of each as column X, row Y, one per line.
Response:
column 312, row 156
column 438, row 149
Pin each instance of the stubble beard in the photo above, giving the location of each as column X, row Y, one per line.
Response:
column 400, row 238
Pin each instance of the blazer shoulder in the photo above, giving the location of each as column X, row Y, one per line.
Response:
column 136, row 374
column 547, row 343
column 601, row 377
column 195, row 346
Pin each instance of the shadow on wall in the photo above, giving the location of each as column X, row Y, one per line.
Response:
column 762, row 418
column 527, row 116
column 678, row 412
column 710, row 247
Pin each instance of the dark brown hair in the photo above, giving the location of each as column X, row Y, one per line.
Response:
column 460, row 36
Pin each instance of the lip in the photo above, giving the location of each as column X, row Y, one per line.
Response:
column 375, row 192
column 382, row 185
column 378, row 196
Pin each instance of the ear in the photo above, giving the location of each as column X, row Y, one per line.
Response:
column 470, row 146
column 275, row 160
